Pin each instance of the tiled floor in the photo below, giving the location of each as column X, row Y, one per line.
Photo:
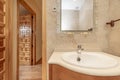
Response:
column 30, row 72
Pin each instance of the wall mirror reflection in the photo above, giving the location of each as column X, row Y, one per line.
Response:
column 76, row 15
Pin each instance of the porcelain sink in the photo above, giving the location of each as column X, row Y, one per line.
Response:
column 90, row 59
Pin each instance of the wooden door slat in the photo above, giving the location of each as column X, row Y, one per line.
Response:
column 2, row 24
column 2, row 13
column 2, row 1
column 3, row 59
column 2, row 36
column 2, row 48
column 1, row 72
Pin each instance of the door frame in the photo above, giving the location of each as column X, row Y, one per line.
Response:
column 23, row 3
column 44, row 41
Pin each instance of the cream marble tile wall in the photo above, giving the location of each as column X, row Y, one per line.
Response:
column 113, row 36
column 98, row 40
column 51, row 26
column 101, row 17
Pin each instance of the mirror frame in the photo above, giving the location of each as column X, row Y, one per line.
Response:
column 60, row 22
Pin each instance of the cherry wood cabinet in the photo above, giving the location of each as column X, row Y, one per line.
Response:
column 57, row 72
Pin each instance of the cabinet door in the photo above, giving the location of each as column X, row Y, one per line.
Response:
column 57, row 72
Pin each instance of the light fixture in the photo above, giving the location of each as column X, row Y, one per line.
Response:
column 74, row 0
column 25, row 31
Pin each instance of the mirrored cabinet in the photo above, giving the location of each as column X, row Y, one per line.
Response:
column 76, row 15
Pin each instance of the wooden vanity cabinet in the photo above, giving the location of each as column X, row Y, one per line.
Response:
column 57, row 72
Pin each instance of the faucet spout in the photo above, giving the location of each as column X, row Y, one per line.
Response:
column 78, row 58
column 79, row 46
column 79, row 50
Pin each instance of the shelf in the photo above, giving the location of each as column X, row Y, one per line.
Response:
column 2, row 13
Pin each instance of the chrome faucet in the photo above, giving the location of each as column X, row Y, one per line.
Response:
column 79, row 50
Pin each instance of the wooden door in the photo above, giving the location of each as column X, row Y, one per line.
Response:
column 25, row 40
column 3, row 41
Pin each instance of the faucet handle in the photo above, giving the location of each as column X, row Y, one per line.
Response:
column 79, row 46
column 82, row 49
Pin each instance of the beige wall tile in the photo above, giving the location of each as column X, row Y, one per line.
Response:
column 100, row 39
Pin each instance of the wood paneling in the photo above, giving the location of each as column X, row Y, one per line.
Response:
column 57, row 72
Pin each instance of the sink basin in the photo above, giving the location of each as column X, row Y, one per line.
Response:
column 90, row 59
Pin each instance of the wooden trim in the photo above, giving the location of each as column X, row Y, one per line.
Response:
column 39, row 61
column 17, row 72
column 9, row 26
column 32, row 53
column 34, row 39
column 44, row 61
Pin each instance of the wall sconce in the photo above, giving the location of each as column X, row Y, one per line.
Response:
column 24, row 31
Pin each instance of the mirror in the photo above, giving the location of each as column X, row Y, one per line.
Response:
column 76, row 15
